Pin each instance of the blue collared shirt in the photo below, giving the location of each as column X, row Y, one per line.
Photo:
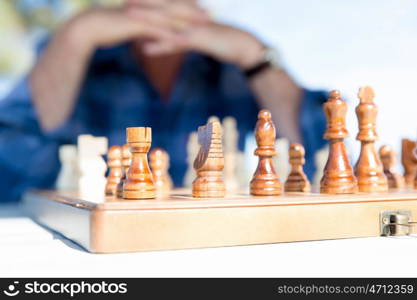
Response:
column 116, row 94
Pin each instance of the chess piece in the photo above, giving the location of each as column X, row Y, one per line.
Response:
column 265, row 181
column 320, row 159
column 68, row 175
column 192, row 151
column 368, row 170
column 230, row 142
column 297, row 180
column 209, row 162
column 114, row 164
column 139, row 182
column 92, row 167
column 387, row 155
column 408, row 161
column 126, row 160
column 281, row 161
column 338, row 177
column 213, row 119
column 159, row 163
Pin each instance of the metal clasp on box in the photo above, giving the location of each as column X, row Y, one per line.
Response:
column 396, row 223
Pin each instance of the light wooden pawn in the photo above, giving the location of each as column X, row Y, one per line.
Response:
column 297, row 180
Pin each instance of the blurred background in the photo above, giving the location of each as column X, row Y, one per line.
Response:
column 325, row 44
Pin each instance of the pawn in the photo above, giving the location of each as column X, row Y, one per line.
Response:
column 139, row 182
column 368, row 169
column 209, row 162
column 265, row 181
column 231, row 153
column 338, row 177
column 297, row 180
column 126, row 160
column 387, row 155
column 114, row 163
column 68, row 174
column 408, row 161
column 159, row 163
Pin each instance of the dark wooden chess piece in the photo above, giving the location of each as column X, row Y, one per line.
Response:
column 114, row 163
column 159, row 163
column 408, row 161
column 297, row 180
column 209, row 163
column 139, row 182
column 265, row 181
column 338, row 177
column 387, row 155
column 126, row 160
column 368, row 170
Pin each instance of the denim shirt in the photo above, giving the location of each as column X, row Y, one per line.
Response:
column 116, row 94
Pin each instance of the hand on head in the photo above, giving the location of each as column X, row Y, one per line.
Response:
column 164, row 27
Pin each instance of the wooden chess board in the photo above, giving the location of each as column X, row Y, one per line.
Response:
column 179, row 221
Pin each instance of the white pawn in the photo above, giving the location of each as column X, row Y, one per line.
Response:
column 213, row 119
column 320, row 160
column 281, row 160
column 192, row 150
column 231, row 155
column 92, row 167
column 68, row 175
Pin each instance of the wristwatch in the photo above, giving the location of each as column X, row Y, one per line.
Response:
column 271, row 58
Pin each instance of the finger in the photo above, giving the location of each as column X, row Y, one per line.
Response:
column 146, row 3
column 160, row 47
column 149, row 16
column 179, row 11
column 158, row 3
column 150, row 26
column 186, row 11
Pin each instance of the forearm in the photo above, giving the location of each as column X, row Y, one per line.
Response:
column 56, row 77
column 276, row 91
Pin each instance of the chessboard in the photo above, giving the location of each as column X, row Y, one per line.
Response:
column 136, row 209
column 180, row 221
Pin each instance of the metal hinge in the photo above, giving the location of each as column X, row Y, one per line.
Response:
column 396, row 222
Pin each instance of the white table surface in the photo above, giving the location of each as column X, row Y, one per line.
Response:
column 27, row 249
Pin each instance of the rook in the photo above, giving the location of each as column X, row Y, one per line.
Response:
column 139, row 182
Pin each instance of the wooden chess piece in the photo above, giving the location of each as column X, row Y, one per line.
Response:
column 368, row 170
column 338, row 177
column 265, row 181
column 139, row 182
column 209, row 162
column 114, row 163
column 297, row 180
column 159, row 163
column 387, row 155
column 126, row 160
column 408, row 161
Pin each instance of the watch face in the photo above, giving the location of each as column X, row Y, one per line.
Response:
column 272, row 55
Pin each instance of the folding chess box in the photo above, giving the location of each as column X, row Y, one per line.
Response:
column 179, row 221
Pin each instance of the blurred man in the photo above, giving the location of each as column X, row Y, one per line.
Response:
column 158, row 63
